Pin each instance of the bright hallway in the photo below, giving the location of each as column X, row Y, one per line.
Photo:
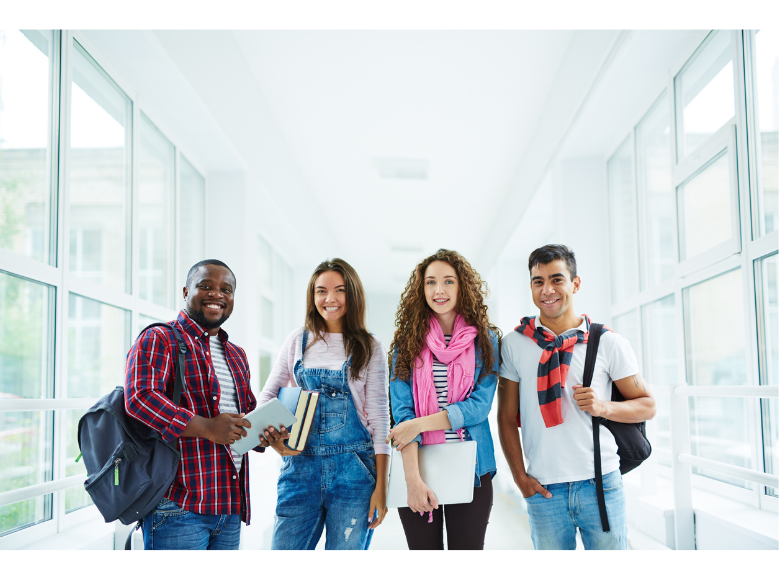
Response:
column 126, row 156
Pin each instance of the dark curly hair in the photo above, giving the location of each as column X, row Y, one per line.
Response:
column 413, row 314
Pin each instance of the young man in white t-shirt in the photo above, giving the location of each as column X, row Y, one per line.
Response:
column 542, row 368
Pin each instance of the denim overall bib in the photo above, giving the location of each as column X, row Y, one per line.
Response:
column 330, row 483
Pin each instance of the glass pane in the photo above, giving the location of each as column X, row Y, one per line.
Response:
column 155, row 212
column 705, row 93
column 627, row 326
column 660, row 350
column 190, row 218
column 766, row 70
column 264, row 368
column 267, row 318
column 99, row 175
column 720, row 430
column 706, row 208
column 711, row 360
column 657, row 210
column 264, row 268
column 16, row 516
column 769, row 362
column 97, row 345
column 720, row 427
column 26, row 453
column 75, row 497
column 144, row 322
column 26, row 336
column 25, row 142
column 622, row 215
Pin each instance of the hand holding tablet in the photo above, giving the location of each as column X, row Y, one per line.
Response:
column 272, row 413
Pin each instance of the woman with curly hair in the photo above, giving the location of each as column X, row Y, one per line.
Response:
column 444, row 364
column 339, row 480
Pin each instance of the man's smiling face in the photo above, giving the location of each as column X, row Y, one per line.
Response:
column 210, row 296
column 553, row 289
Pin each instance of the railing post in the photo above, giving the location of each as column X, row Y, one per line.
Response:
column 684, row 527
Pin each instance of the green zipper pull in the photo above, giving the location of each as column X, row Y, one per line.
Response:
column 79, row 457
column 117, row 471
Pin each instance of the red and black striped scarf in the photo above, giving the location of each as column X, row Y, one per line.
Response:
column 553, row 365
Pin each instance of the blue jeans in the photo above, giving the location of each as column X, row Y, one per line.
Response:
column 331, row 491
column 170, row 527
column 553, row 522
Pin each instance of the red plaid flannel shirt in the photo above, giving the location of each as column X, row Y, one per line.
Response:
column 207, row 481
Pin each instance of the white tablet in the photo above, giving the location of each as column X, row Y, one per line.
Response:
column 272, row 413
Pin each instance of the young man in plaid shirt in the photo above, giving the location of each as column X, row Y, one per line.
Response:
column 211, row 493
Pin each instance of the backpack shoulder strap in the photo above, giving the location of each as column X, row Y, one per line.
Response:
column 182, row 349
column 594, row 337
column 593, row 340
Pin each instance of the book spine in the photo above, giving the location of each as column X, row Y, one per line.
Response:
column 308, row 423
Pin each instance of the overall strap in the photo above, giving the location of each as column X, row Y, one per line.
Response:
column 300, row 362
column 592, row 353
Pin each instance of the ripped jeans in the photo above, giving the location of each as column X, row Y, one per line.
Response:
column 329, row 490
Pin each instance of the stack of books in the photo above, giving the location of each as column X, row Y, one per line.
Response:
column 302, row 404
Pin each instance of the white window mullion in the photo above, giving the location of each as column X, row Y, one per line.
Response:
column 63, row 266
column 745, row 218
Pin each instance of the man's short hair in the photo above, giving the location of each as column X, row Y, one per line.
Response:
column 553, row 252
column 194, row 269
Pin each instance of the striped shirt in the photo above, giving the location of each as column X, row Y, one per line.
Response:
column 440, row 377
column 228, row 391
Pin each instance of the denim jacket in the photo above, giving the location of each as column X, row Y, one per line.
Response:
column 472, row 413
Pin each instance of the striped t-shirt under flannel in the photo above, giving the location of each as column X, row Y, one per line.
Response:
column 228, row 391
column 439, row 376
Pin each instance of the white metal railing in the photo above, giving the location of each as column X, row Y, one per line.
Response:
column 757, row 391
column 25, row 405
column 683, row 461
column 45, row 488
column 730, row 470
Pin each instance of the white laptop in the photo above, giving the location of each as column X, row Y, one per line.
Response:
column 448, row 469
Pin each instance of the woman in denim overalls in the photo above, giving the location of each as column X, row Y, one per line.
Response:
column 332, row 482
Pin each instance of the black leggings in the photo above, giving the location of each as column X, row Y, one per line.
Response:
column 466, row 523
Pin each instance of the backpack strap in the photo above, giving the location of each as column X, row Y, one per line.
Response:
column 596, row 329
column 182, row 349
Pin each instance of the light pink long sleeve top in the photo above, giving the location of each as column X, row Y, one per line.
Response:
column 370, row 393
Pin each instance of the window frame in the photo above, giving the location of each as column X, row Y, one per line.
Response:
column 55, row 273
column 745, row 247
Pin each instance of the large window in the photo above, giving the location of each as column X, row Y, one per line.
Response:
column 190, row 221
column 622, row 201
column 26, row 372
column 708, row 248
column 27, row 141
column 274, row 279
column 69, row 316
column 100, row 174
column 656, row 202
column 155, row 210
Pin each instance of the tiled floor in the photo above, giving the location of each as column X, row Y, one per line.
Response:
column 507, row 530
column 508, row 527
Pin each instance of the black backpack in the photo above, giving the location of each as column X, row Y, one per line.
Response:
column 129, row 466
column 631, row 438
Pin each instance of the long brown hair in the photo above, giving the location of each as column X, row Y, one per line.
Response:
column 413, row 314
column 357, row 341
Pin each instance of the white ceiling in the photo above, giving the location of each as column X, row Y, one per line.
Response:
column 306, row 113
column 466, row 102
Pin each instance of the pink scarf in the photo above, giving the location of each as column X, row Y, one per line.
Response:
column 460, row 358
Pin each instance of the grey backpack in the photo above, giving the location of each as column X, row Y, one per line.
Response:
column 129, row 466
